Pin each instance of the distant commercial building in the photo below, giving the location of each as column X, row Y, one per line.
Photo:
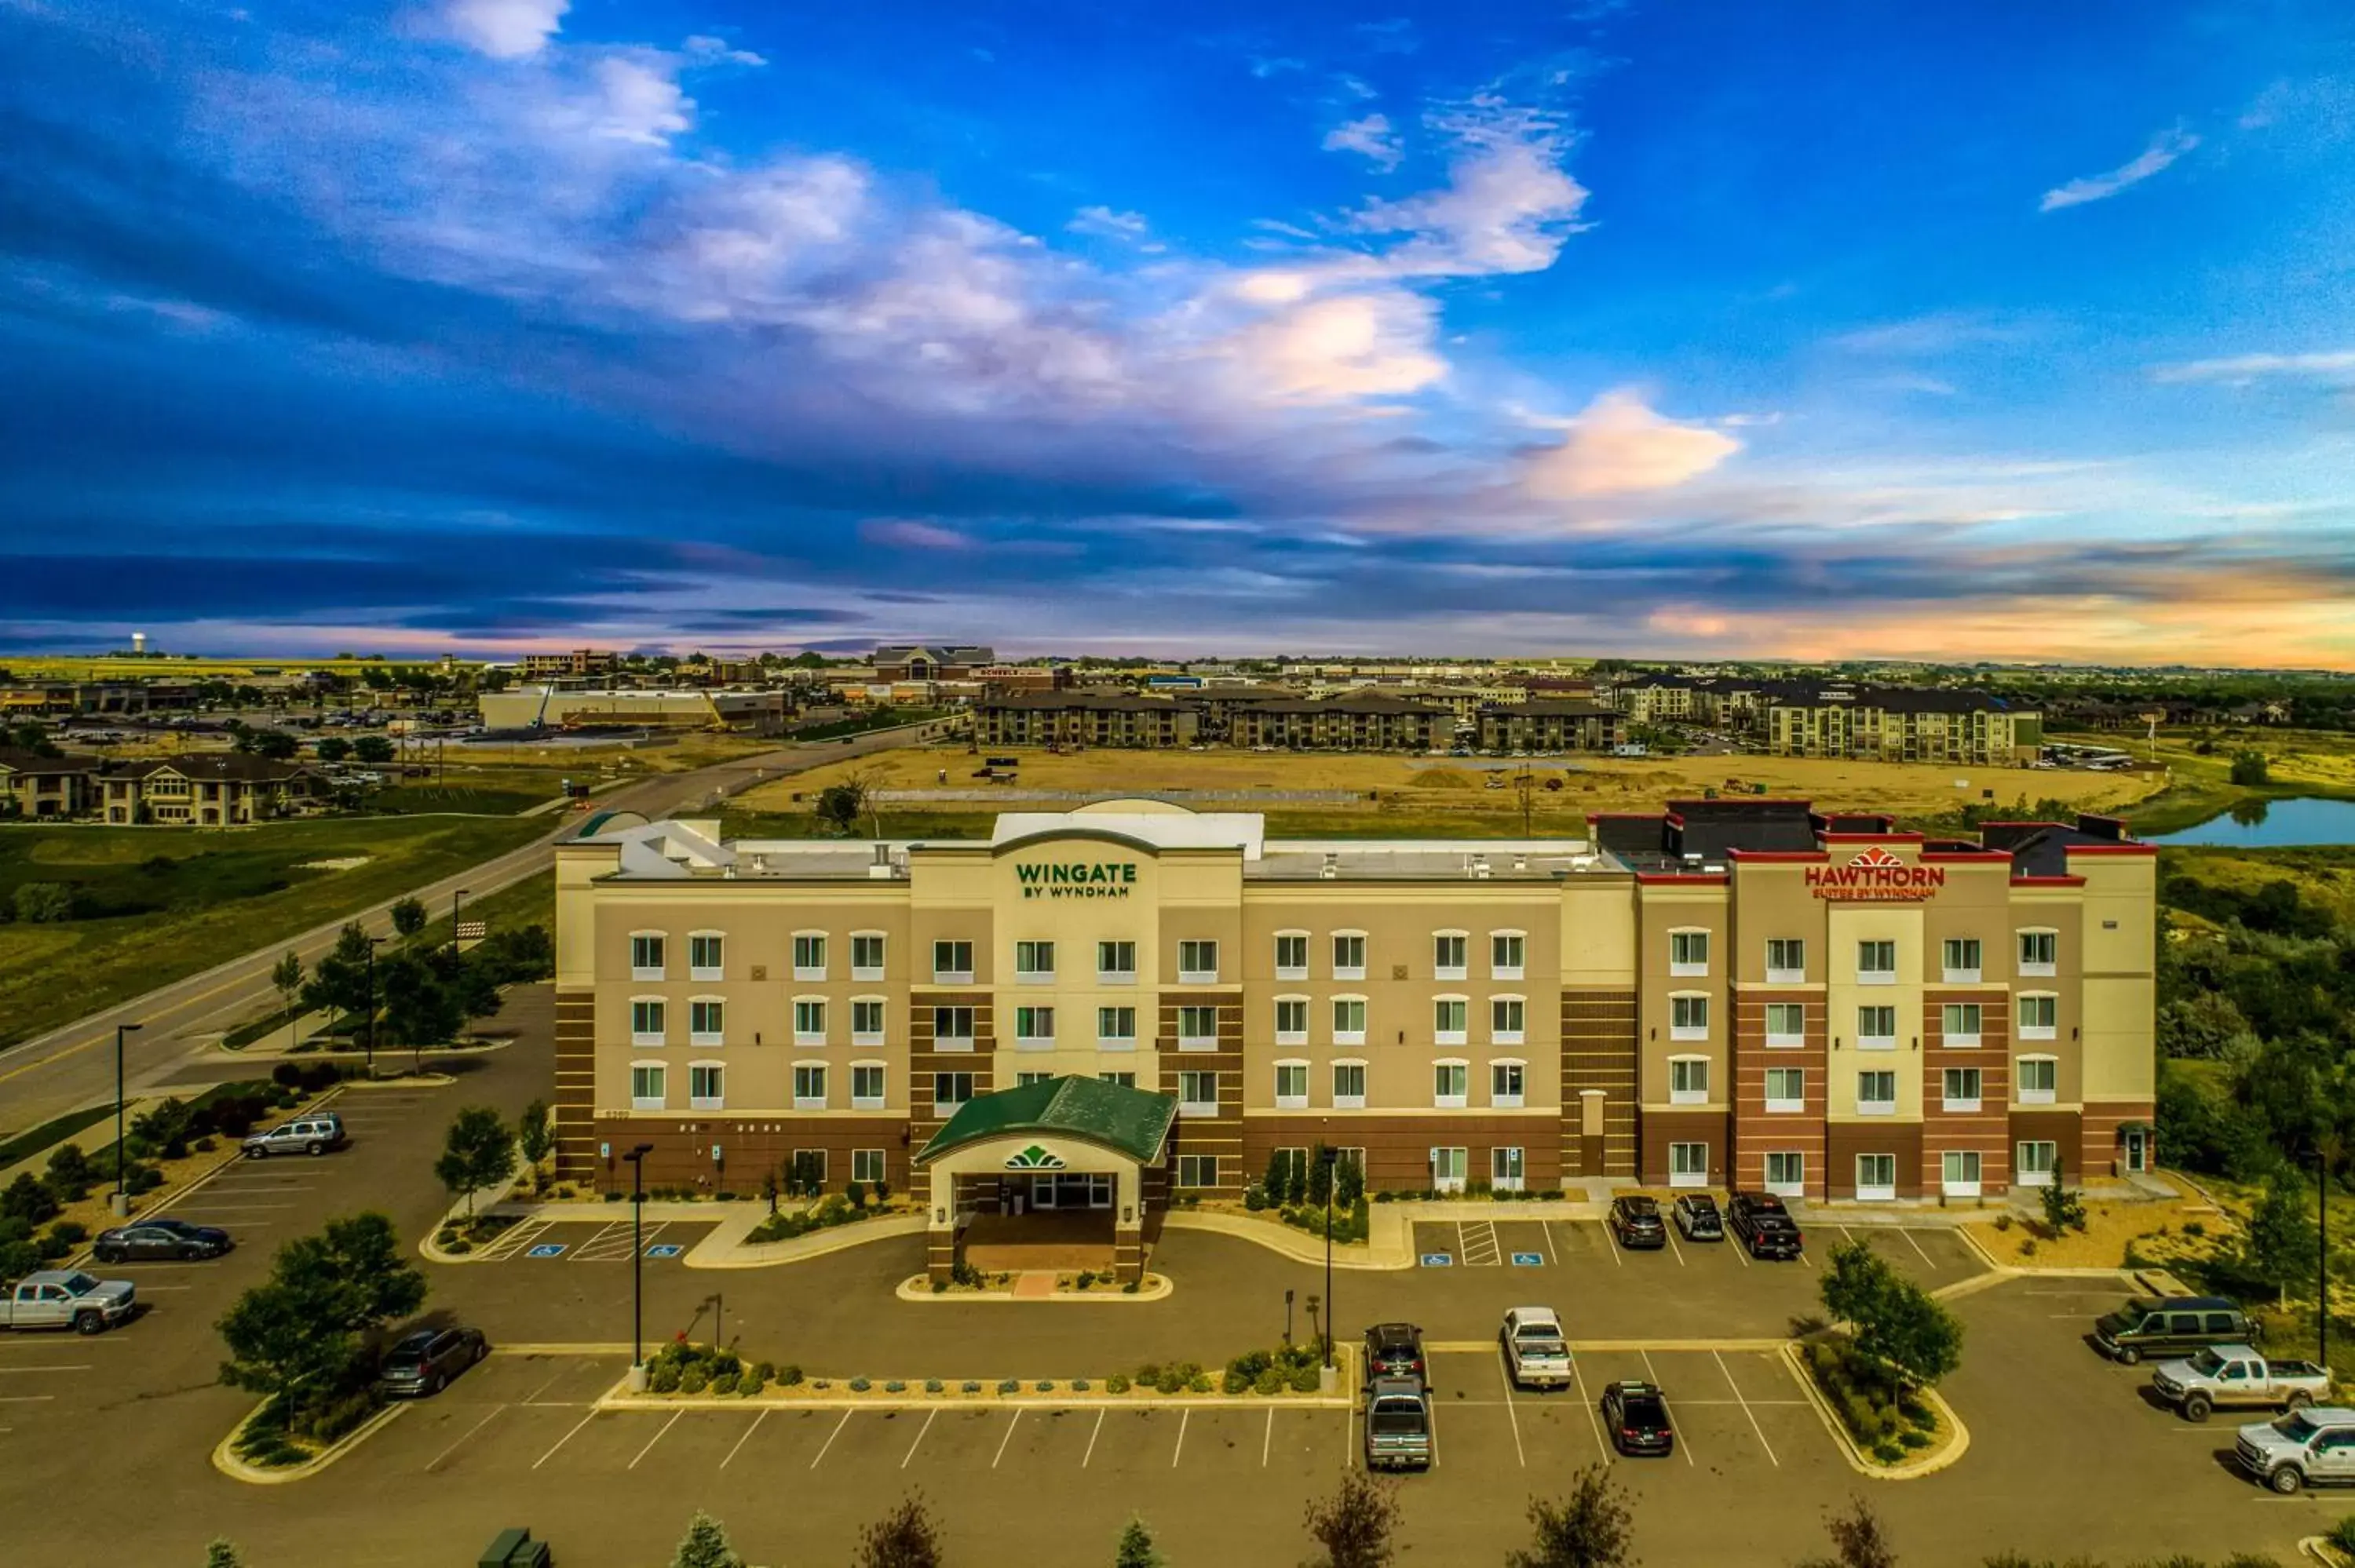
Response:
column 67, row 699
column 922, row 662
column 35, row 786
column 1083, row 718
column 581, row 662
column 213, row 790
column 552, row 707
column 1549, row 725
column 1020, row 677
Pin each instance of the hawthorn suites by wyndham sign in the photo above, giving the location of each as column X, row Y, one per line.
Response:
column 1077, row 879
column 1876, row 876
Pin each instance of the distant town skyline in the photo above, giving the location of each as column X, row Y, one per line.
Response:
column 1702, row 333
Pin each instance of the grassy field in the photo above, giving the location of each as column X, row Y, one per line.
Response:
column 156, row 903
column 2301, row 762
column 2322, row 873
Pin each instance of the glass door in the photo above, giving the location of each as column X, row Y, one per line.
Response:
column 1042, row 1191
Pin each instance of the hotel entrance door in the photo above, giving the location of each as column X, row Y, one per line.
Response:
column 1068, row 1190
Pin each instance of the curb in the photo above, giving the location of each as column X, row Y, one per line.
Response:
column 1280, row 1238
column 414, row 1081
column 741, row 1253
column 1474, row 1347
column 1955, row 1448
column 468, row 1207
column 2319, row 1548
column 1090, row 1401
column 919, row 1287
column 225, row 1461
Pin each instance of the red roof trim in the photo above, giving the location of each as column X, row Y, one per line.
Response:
column 1870, row 837
column 1810, row 857
column 2111, row 849
column 1964, row 857
column 2047, row 882
column 2023, row 822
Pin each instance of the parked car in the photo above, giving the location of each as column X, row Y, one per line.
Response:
column 2236, row 1377
column 1536, row 1352
column 2311, row 1448
column 313, row 1134
column 1697, row 1217
column 159, row 1239
column 424, row 1361
column 68, row 1299
column 1637, row 1417
column 2172, row 1326
column 1760, row 1223
column 1398, row 1424
column 1635, row 1221
column 1395, row 1351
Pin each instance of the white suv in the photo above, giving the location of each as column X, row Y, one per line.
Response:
column 304, row 1135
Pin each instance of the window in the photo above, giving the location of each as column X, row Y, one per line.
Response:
column 705, row 1022
column 704, row 960
column 1787, row 960
column 1125, row 1080
column 1506, row 1015
column 953, row 1029
column 704, row 1088
column 1876, row 1029
column 809, row 1022
column 1292, row 1020
column 1447, row 956
column 809, row 956
column 866, row 955
column 2040, row 1016
column 1687, row 1164
column 1348, row 1086
column 1448, row 1023
column 1198, row 1029
column 952, row 963
column 867, row 1022
column 2034, row 1161
column 1962, row 960
column 1447, row 1167
column 1876, row 1093
column 1291, row 1085
column 1197, row 1094
column 867, row 1165
column 1876, row 1177
column 647, row 956
column 809, row 1087
column 1959, row 1023
column 1115, row 962
column 1688, row 1080
column 809, row 1164
column 1787, row 1172
column 1348, row 955
column 2039, row 952
column 1505, row 1168
column 2040, row 1080
column 1197, row 962
column 1787, row 1023
column 1876, row 963
column 1116, row 1028
column 1688, row 1017
column 1786, row 1088
column 645, row 1021
column 1024, row 1080
column 1448, row 1084
column 1034, row 1028
column 1198, row 1170
column 1959, row 1172
column 1348, row 1021
column 1504, row 1080
column 1034, row 962
column 867, row 1086
column 1292, row 955
column 1688, row 952
column 646, row 1087
column 951, row 1090
column 1961, row 1088
column 1506, row 950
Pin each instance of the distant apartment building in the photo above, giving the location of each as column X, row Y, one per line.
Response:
column 1548, row 724
column 1083, row 718
column 213, row 790
column 579, row 661
column 923, row 661
column 1357, row 721
column 1904, row 725
column 32, row 785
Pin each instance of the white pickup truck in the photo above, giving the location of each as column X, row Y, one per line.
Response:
column 1537, row 1353
column 2236, row 1377
column 67, row 1298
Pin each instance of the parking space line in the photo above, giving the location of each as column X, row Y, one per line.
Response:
column 1094, row 1433
column 1179, row 1452
column 1592, row 1419
column 1744, row 1403
column 746, row 1438
column 469, row 1431
column 927, row 1426
column 514, row 1241
column 1519, row 1455
column 543, row 1388
column 1269, row 1441
column 1847, row 1233
column 1684, row 1444
column 834, row 1434
column 1349, row 1438
column 1001, row 1442
column 1670, row 1232
column 560, row 1442
column 26, row 1398
column 21, row 1371
column 656, row 1437
column 1915, row 1245
column 1551, row 1256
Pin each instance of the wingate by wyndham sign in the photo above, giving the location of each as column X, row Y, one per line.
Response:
column 1077, row 879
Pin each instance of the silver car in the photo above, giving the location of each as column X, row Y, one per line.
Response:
column 2306, row 1447
column 313, row 1134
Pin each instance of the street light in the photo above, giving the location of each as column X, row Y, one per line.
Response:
column 374, row 943
column 455, row 894
column 122, row 1182
column 637, row 1159
column 1332, row 1159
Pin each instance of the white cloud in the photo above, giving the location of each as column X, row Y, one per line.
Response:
column 1371, row 135
column 1103, row 223
column 1507, row 206
column 2163, row 150
column 703, row 47
column 504, row 29
column 1620, row 444
column 909, row 533
column 2243, row 368
column 1339, row 348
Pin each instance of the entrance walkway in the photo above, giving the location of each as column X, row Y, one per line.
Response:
column 996, row 1243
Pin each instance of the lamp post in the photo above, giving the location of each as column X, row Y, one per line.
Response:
column 637, row 1159
column 1331, row 1165
column 121, row 1206
column 456, row 895
column 374, row 943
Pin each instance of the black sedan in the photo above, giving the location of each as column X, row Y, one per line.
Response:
column 1637, row 1417
column 1697, row 1217
column 1394, row 1350
column 1635, row 1221
column 151, row 1241
column 425, row 1359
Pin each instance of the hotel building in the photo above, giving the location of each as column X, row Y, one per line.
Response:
column 1733, row 994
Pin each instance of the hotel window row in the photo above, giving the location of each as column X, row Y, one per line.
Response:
column 1876, row 959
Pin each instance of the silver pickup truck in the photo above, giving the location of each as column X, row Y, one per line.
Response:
column 68, row 1299
column 2236, row 1377
column 1398, row 1424
column 1537, row 1354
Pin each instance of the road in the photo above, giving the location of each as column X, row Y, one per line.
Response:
column 55, row 1073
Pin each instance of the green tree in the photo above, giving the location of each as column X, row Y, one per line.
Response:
column 534, row 1134
column 297, row 1337
column 420, row 1009
column 840, row 806
column 277, row 745
column 222, row 1553
column 1278, row 1181
column 1858, row 1540
column 2250, row 768
column 1356, row 1524
column 705, row 1545
column 2279, row 1245
column 286, row 979
column 2064, row 1210
column 1135, row 1548
column 43, row 903
column 333, row 748
column 478, row 1152
column 339, row 980
column 1320, row 1174
column 1592, row 1527
column 409, row 918
column 372, row 749
column 1894, row 1321
column 904, row 1538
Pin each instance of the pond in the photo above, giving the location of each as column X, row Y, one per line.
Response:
column 2272, row 824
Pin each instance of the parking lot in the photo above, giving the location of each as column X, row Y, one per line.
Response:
column 1935, row 1255
column 605, row 1240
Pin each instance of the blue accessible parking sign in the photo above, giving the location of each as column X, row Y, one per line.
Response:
column 547, row 1249
column 1438, row 1259
column 665, row 1249
column 1528, row 1260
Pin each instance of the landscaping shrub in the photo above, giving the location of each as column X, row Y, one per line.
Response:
column 1044, row 1385
column 1914, row 1439
column 1888, row 1452
column 73, row 1232
column 933, row 1386
column 1171, row 1380
column 663, row 1379
column 71, row 1174
column 1009, row 1385
column 1080, row 1385
column 1270, row 1381
column 751, row 1381
column 2342, row 1534
column 788, row 1375
column 972, row 1386
column 28, row 1198
column 895, row 1386
column 286, row 1074
column 1118, row 1383
column 860, row 1385
column 52, row 1249
column 693, row 1379
column 1198, row 1383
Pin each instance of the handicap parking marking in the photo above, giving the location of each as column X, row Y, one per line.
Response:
column 547, row 1249
column 1437, row 1260
column 1478, row 1238
column 513, row 1240
column 665, row 1249
column 1528, row 1260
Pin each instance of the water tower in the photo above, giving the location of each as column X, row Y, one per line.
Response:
column 138, row 643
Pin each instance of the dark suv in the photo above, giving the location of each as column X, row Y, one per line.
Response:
column 2172, row 1326
column 425, row 1359
column 1637, row 1417
column 1760, row 1223
column 1635, row 1221
column 1395, row 1349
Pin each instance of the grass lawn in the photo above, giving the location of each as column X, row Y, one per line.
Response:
column 161, row 903
column 2300, row 762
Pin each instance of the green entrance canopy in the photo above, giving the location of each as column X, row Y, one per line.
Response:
column 1128, row 1121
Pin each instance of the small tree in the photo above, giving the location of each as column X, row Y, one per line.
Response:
column 286, row 979
column 2063, row 1209
column 705, row 1545
column 534, row 1133
column 222, row 1553
column 334, row 748
column 1858, row 1540
column 1279, row 1176
column 420, row 1009
column 339, row 980
column 1135, row 1548
column 1355, row 1524
column 2250, row 768
column 372, row 749
column 1592, row 1527
column 1320, row 1175
column 840, row 806
column 296, row 1338
column 1894, row 1320
column 478, row 1152
column 904, row 1538
column 409, row 918
column 2279, row 1246
column 277, row 745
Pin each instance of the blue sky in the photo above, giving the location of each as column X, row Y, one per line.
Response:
column 1995, row 331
